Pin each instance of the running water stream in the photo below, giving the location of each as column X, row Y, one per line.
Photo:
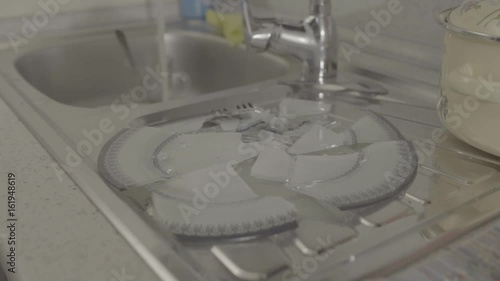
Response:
column 160, row 27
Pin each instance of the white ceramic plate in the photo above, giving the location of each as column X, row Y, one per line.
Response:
column 137, row 157
column 358, row 179
column 195, row 190
column 223, row 220
column 372, row 128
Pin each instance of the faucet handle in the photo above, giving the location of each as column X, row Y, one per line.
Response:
column 256, row 21
column 259, row 31
column 313, row 40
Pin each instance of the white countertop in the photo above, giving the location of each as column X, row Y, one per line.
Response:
column 60, row 234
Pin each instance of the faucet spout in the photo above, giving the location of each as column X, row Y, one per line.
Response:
column 313, row 40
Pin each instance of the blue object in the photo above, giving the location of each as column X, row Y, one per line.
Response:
column 194, row 9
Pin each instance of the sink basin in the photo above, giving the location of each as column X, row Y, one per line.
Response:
column 96, row 73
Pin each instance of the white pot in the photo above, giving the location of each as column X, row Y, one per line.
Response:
column 470, row 84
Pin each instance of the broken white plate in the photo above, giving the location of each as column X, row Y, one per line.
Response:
column 380, row 171
column 372, row 128
column 273, row 164
column 138, row 157
column 292, row 108
column 126, row 160
column 223, row 220
column 264, row 136
column 208, row 199
column 189, row 152
column 253, row 118
column 310, row 169
column 316, row 139
column 220, row 183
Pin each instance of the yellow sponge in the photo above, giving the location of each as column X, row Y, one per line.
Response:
column 230, row 25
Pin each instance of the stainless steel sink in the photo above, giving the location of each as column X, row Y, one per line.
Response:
column 455, row 190
column 96, row 73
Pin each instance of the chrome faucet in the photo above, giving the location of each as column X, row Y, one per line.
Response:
column 313, row 40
